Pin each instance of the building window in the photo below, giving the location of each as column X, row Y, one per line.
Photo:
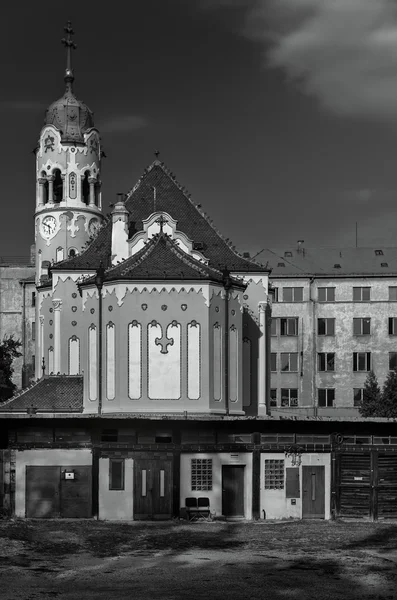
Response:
column 274, row 326
column 326, row 294
column 33, row 298
column 289, row 397
column 273, row 361
column 361, row 326
column 273, row 397
column 326, row 397
column 392, row 325
column 289, row 326
column 33, row 362
column 274, row 474
column 289, row 361
column 392, row 360
column 378, row 252
column 275, row 294
column 393, row 293
column 326, row 326
column 361, row 361
column 358, row 394
column 293, row 294
column 361, row 294
column 116, row 474
column 33, row 330
column 326, row 361
column 201, row 474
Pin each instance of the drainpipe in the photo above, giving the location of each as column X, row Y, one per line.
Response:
column 314, row 346
column 227, row 286
column 99, row 277
column 24, row 382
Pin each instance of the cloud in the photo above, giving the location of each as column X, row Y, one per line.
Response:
column 343, row 52
column 21, row 105
column 123, row 124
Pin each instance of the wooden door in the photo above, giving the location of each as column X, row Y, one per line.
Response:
column 313, row 496
column 354, row 483
column 42, row 492
column 385, row 493
column 76, row 494
column 233, row 490
column 152, row 489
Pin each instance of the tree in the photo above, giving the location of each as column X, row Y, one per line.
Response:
column 371, row 404
column 389, row 396
column 9, row 350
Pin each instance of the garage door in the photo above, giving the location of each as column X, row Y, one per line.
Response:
column 354, row 489
column 386, row 486
column 50, row 495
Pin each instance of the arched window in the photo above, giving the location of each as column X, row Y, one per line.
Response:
column 59, row 254
column 86, row 188
column 58, row 186
column 72, row 252
column 44, row 180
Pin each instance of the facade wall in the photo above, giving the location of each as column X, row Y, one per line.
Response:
column 275, row 505
column 50, row 457
column 215, row 494
column 117, row 505
column 308, row 379
column 17, row 316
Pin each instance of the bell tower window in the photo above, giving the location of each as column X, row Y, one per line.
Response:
column 72, row 252
column 57, row 186
column 86, row 188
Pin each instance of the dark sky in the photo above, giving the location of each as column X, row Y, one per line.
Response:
column 277, row 138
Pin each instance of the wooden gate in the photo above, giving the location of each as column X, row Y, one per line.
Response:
column 50, row 495
column 233, row 490
column 152, row 488
column 366, row 484
column 313, row 492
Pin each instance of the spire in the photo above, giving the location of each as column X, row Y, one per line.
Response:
column 69, row 45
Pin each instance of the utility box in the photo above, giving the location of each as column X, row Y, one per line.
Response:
column 69, row 474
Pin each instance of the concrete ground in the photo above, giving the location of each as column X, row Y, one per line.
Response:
column 306, row 560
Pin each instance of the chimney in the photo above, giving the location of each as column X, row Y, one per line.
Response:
column 300, row 248
column 119, row 216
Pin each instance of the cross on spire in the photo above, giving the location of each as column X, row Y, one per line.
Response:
column 69, row 45
column 161, row 221
column 156, row 153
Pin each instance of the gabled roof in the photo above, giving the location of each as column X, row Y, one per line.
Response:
column 161, row 259
column 172, row 198
column 55, row 393
column 331, row 262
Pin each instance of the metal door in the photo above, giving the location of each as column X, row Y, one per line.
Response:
column 42, row 492
column 152, row 489
column 313, row 492
column 233, row 490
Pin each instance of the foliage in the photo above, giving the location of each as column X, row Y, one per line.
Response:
column 389, row 396
column 371, row 403
column 9, row 350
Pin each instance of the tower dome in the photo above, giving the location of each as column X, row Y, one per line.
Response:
column 68, row 114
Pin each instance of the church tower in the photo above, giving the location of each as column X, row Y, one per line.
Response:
column 68, row 176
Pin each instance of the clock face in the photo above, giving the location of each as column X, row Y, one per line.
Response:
column 93, row 226
column 48, row 226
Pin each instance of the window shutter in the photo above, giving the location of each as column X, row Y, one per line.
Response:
column 292, row 487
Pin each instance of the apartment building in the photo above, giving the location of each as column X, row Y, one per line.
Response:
column 334, row 318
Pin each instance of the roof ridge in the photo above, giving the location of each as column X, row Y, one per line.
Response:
column 168, row 172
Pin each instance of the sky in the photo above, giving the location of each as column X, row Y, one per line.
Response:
column 278, row 116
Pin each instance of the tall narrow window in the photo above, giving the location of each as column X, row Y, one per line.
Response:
column 274, row 326
column 58, row 186
column 326, row 361
column 92, row 362
column 193, row 360
column 392, row 361
column 217, row 363
column 74, row 355
column 358, row 396
column 33, row 298
column 273, row 362
column 273, row 397
column 33, row 331
column 86, row 188
column 392, row 293
column 392, row 325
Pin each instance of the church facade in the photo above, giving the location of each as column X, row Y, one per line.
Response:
column 152, row 364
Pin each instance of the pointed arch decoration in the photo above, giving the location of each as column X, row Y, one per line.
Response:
column 233, row 364
column 50, row 360
column 247, row 372
column 92, row 363
column 193, row 360
column 164, row 361
column 74, row 355
column 134, row 360
column 217, row 360
column 110, row 361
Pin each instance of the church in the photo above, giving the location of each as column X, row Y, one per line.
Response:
column 152, row 374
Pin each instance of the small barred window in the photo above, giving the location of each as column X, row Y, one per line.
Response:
column 201, row 474
column 274, row 474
